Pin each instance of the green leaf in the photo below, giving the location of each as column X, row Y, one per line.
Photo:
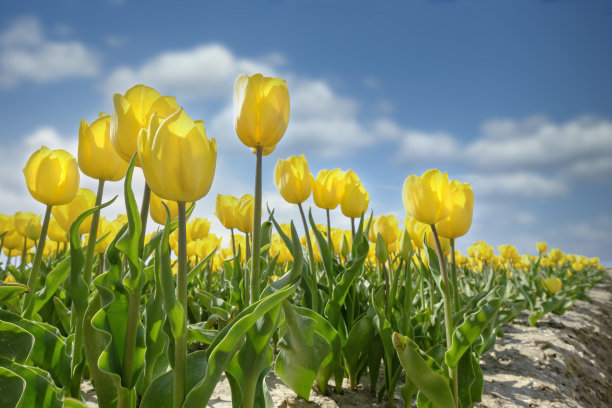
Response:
column 11, row 388
column 11, row 290
column 39, row 391
column 52, row 283
column 421, row 373
column 74, row 403
column 468, row 331
column 356, row 347
column 323, row 249
column 15, row 342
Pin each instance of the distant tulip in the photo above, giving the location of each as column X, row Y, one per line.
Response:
column 13, row 240
column 56, row 232
column 97, row 157
column 52, row 176
column 28, row 224
column 158, row 211
column 328, row 189
column 224, row 210
column 417, row 230
column 261, row 110
column 386, row 226
column 427, row 198
column 542, row 247
column 293, row 179
column 243, row 213
column 67, row 213
column 178, row 160
column 132, row 112
column 459, row 220
column 198, row 228
column 7, row 223
column 553, row 285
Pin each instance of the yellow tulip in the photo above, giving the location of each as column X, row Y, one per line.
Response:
column 198, row 228
column 243, row 213
column 417, row 230
column 265, row 151
column 158, row 211
column 542, row 247
column 458, row 222
column 10, row 279
column 56, row 232
column 328, row 188
column 261, row 110
column 97, row 156
column 7, row 223
column 280, row 249
column 293, row 179
column 52, row 176
column 386, row 226
column 427, row 198
column 553, row 285
column 224, row 210
column 355, row 200
column 67, row 213
column 207, row 244
column 177, row 159
column 132, row 113
column 338, row 237
column 13, row 240
column 111, row 228
column 508, row 252
column 28, row 224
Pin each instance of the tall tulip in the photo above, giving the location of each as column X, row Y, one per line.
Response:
column 67, row 213
column 261, row 117
column 355, row 200
column 52, row 177
column 158, row 211
column 243, row 213
column 327, row 191
column 178, row 162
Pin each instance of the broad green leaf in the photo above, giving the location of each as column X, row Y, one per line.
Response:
column 420, row 372
column 52, row 283
column 11, row 290
column 15, row 342
column 39, row 392
column 11, row 388
column 468, row 331
column 356, row 347
column 323, row 249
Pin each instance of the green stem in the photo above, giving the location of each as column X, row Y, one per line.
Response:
column 130, row 337
column 454, row 275
column 254, row 286
column 407, row 298
column 180, row 350
column 23, row 255
column 93, row 234
column 313, row 270
column 353, row 227
column 394, row 282
column 330, row 243
column 144, row 216
column 448, row 315
column 28, row 304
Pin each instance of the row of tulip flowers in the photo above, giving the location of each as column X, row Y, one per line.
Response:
column 152, row 331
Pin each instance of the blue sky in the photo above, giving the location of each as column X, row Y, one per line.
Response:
column 512, row 96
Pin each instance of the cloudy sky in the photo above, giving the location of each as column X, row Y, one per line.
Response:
column 512, row 96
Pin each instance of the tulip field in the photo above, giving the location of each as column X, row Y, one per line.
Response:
column 155, row 320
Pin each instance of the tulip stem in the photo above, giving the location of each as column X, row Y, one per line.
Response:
column 353, row 227
column 28, row 304
column 448, row 315
column 454, row 275
column 93, row 234
column 180, row 349
column 330, row 243
column 254, row 286
column 313, row 270
column 144, row 215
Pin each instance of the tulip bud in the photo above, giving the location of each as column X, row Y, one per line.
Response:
column 382, row 252
column 293, row 179
column 52, row 176
column 427, row 198
column 345, row 248
column 542, row 247
column 243, row 213
column 97, row 156
column 405, row 246
column 224, row 210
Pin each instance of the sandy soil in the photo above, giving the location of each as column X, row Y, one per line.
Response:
column 564, row 362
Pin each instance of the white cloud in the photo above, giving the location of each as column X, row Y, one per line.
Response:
column 422, row 146
column 26, row 55
column 515, row 184
column 206, row 71
column 537, row 143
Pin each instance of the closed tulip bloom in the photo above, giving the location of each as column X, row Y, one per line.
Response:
column 261, row 110
column 371, row 234
column 386, row 226
column 206, row 245
column 542, row 247
column 178, row 160
column 355, row 200
column 243, row 213
column 97, row 156
column 427, row 198
column 224, row 210
column 417, row 230
column 13, row 240
column 293, row 179
column 198, row 228
column 67, row 213
column 458, row 222
column 7, row 223
column 132, row 112
column 52, row 176
column 328, row 188
column 56, row 232
column 28, row 224
column 158, row 211
column 553, row 285
column 111, row 228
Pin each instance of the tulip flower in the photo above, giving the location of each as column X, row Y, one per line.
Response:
column 553, row 285
column 56, row 232
column 28, row 225
column 67, row 213
column 459, row 220
column 293, row 179
column 261, row 110
column 328, row 188
column 355, row 200
column 243, row 213
column 224, row 210
column 177, row 159
column 198, row 228
column 427, row 198
column 52, row 176
column 386, row 226
column 261, row 117
column 158, row 212
column 542, row 247
column 97, row 157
